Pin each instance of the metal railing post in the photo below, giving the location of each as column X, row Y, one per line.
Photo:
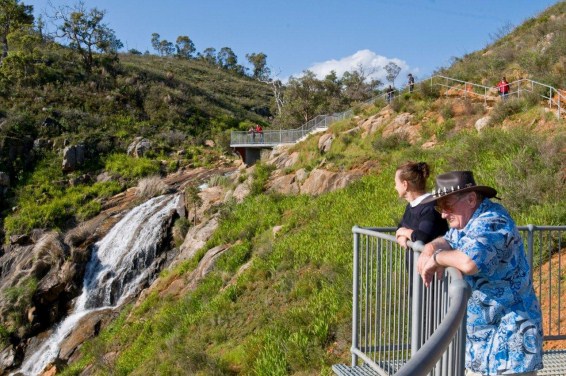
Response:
column 416, row 306
column 530, row 250
column 356, row 288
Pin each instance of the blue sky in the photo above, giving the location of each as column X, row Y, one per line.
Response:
column 418, row 35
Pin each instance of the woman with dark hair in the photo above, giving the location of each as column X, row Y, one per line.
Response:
column 419, row 222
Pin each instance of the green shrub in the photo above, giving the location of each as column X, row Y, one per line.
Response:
column 130, row 167
column 261, row 175
column 392, row 142
column 505, row 109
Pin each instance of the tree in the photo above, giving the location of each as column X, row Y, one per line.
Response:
column 209, row 55
column 185, row 47
column 302, row 99
column 163, row 47
column 259, row 61
column 13, row 15
column 392, row 70
column 166, row 48
column 227, row 59
column 357, row 85
column 193, row 200
column 86, row 32
column 155, row 42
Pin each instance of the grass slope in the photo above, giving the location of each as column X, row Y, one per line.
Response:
column 289, row 312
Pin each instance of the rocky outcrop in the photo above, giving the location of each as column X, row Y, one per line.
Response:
column 73, row 157
column 139, row 147
column 375, row 122
column 88, row 327
column 321, row 181
column 196, row 238
column 482, row 123
column 325, row 142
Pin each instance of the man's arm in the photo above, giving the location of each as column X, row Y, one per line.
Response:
column 454, row 258
column 428, row 250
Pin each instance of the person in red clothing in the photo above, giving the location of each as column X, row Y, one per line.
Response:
column 503, row 87
column 259, row 130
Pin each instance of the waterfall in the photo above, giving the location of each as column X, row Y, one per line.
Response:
column 119, row 263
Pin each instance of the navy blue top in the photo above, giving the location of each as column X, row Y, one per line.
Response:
column 427, row 224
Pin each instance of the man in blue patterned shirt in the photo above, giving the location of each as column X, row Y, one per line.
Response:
column 504, row 325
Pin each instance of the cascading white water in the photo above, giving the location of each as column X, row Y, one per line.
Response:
column 118, row 264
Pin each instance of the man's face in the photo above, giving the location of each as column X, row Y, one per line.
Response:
column 457, row 209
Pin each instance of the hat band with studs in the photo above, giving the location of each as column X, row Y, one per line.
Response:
column 444, row 191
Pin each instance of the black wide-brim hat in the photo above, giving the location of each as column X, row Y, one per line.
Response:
column 457, row 182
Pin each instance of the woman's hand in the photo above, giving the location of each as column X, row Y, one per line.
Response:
column 403, row 235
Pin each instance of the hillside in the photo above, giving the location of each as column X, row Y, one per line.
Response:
column 173, row 104
column 257, row 276
column 532, row 50
column 277, row 298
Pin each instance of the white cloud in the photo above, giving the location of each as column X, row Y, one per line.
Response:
column 371, row 63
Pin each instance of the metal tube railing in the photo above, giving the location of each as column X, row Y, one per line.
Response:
column 284, row 136
column 400, row 327
column 388, row 319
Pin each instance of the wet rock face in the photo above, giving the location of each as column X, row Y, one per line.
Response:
column 4, row 183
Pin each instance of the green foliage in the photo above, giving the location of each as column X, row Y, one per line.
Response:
column 19, row 298
column 510, row 107
column 47, row 200
column 261, row 175
column 130, row 167
column 521, row 53
column 389, row 143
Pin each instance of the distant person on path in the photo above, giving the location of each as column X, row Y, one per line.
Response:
column 503, row 324
column 259, row 130
column 390, row 92
column 251, row 132
column 411, row 82
column 503, row 87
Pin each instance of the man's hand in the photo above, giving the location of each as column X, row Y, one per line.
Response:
column 429, row 270
column 424, row 257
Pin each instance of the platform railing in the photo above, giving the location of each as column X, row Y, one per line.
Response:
column 269, row 138
column 399, row 327
column 394, row 315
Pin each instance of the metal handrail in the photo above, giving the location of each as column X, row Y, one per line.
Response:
column 270, row 138
column 372, row 244
column 426, row 357
column 446, row 320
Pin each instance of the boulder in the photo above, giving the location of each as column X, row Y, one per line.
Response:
column 139, row 147
column 482, row 123
column 285, row 184
column 325, row 142
column 88, row 327
column 73, row 157
column 196, row 238
column 7, row 358
column 321, row 181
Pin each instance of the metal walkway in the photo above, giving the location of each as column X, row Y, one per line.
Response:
column 271, row 138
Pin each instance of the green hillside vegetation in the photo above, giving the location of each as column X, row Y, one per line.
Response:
column 48, row 101
column 534, row 49
column 289, row 311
